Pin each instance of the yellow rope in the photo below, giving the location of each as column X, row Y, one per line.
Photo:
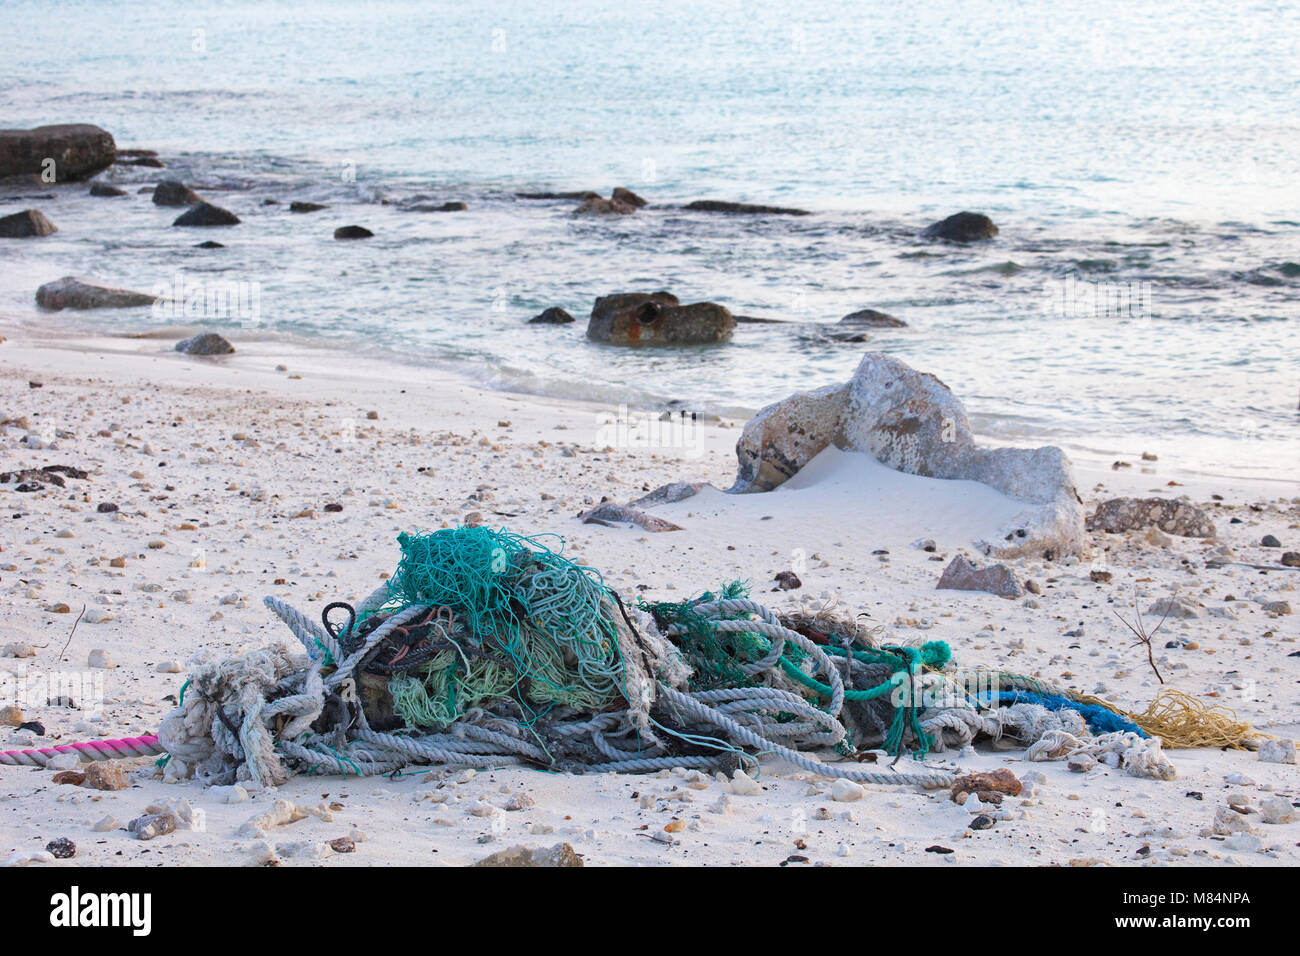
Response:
column 1182, row 721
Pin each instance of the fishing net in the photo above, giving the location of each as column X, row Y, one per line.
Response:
column 487, row 648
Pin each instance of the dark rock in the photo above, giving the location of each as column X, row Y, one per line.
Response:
column 206, row 214
column 873, row 319
column 1099, row 577
column 821, row 334
column 306, row 206
column 1268, row 541
column 343, row 845
column 982, row 822
column 628, row 198
column 582, row 194
column 942, row 850
column 333, row 507
column 431, row 207
column 208, row 244
column 173, row 192
column 788, row 581
column 610, row 513
column 962, row 227
column 208, row 343
column 270, row 202
column 352, row 232
column 150, row 161
column 104, row 189
column 1291, row 559
column 35, row 726
column 741, row 208
column 1130, row 514
column 562, row 854
column 657, row 319
column 27, row 224
column 153, row 825
column 78, row 150
column 998, row 781
column 669, row 494
column 604, row 207
column 73, row 293
column 607, row 305
column 61, row 849
column 552, row 316
column 106, row 507
column 961, row 575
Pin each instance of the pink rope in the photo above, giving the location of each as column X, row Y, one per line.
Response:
column 88, row 750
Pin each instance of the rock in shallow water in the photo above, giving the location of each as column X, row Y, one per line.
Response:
column 30, row 223
column 657, row 319
column 873, row 319
column 741, row 208
column 552, row 316
column 206, row 214
column 604, row 207
column 69, row 152
column 173, row 192
column 962, row 227
column 208, row 343
column 352, row 232
column 627, row 197
column 73, row 293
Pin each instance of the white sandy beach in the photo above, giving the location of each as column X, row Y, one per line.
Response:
column 222, row 471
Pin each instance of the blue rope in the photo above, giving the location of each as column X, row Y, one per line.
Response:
column 1099, row 719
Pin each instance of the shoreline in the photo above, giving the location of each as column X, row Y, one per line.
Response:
column 1093, row 466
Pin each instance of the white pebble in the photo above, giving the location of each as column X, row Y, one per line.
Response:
column 846, row 791
column 100, row 658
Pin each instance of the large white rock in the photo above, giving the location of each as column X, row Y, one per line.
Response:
column 911, row 422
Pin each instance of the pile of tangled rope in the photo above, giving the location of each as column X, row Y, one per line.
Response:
column 487, row 649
